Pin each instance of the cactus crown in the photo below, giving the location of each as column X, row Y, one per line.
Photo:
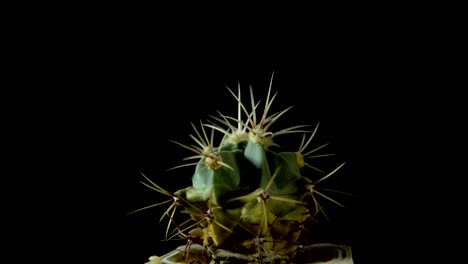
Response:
column 246, row 202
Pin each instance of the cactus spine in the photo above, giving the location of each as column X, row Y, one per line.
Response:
column 247, row 202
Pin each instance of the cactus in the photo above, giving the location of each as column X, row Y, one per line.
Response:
column 248, row 202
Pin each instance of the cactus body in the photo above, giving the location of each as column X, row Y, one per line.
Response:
column 247, row 202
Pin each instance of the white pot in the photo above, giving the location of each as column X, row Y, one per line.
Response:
column 321, row 253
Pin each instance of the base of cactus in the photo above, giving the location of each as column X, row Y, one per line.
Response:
column 324, row 253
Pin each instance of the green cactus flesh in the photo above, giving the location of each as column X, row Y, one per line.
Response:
column 247, row 202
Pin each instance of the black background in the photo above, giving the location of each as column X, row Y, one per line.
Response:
column 356, row 92
column 117, row 90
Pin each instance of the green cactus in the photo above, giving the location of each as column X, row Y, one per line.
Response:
column 248, row 202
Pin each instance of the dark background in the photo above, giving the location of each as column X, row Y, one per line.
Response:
column 122, row 88
column 356, row 92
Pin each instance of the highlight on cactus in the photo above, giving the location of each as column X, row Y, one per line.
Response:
column 249, row 200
